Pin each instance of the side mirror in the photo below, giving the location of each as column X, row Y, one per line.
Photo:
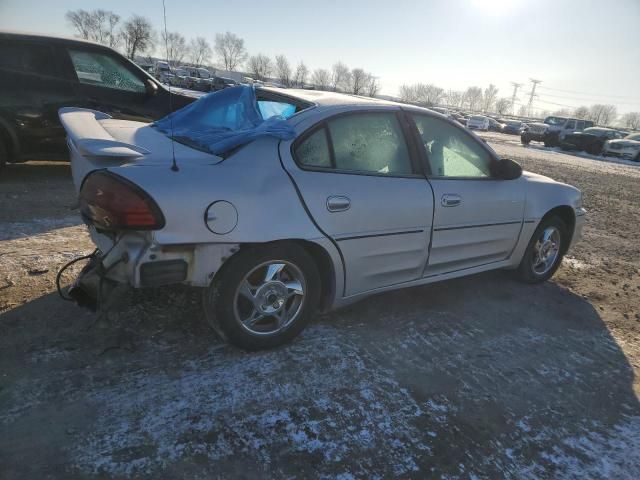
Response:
column 152, row 87
column 506, row 169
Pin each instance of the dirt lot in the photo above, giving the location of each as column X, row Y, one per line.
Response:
column 474, row 378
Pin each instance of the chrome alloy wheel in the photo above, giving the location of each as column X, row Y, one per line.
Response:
column 270, row 297
column 546, row 250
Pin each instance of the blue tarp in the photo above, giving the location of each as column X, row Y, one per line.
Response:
column 223, row 120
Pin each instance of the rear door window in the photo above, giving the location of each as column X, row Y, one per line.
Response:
column 102, row 70
column 25, row 57
column 370, row 142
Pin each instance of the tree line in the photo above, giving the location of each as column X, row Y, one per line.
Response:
column 476, row 99
column 137, row 37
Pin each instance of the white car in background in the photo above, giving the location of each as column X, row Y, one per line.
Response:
column 478, row 122
column 627, row 147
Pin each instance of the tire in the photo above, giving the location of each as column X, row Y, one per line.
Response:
column 594, row 149
column 637, row 159
column 254, row 313
column 527, row 271
column 525, row 140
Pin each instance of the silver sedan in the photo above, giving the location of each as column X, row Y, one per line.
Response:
column 367, row 196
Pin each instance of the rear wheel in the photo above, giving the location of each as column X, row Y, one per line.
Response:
column 594, row 149
column 544, row 252
column 264, row 296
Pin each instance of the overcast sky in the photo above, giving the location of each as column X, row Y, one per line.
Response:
column 584, row 51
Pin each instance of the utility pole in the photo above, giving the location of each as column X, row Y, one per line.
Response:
column 516, row 86
column 533, row 92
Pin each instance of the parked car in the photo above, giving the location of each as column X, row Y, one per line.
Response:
column 590, row 140
column 478, row 122
column 513, row 127
column 39, row 74
column 553, row 130
column 198, row 79
column 218, row 83
column 162, row 71
column 370, row 196
column 495, row 125
column 460, row 119
column 178, row 78
column 627, row 147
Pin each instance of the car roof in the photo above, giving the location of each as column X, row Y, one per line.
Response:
column 323, row 98
column 30, row 36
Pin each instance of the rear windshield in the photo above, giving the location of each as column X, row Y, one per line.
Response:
column 220, row 122
column 479, row 118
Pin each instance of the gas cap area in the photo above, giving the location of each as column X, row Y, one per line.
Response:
column 221, row 217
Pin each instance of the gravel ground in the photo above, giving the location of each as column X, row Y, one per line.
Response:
column 480, row 377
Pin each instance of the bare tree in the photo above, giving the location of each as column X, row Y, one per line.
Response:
column 372, row 86
column 230, row 49
column 428, row 94
column 489, row 98
column 563, row 112
column 321, row 78
column 408, row 94
column 175, row 47
column 581, row 112
column 199, row 51
column 340, row 76
column 602, row 114
column 301, row 74
column 283, row 70
column 503, row 106
column 358, row 81
column 82, row 21
column 631, row 120
column 473, row 98
column 260, row 66
column 523, row 111
column 95, row 25
column 138, row 36
column 453, row 98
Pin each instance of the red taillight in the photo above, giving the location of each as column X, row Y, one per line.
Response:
column 114, row 203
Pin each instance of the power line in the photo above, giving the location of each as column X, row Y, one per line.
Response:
column 591, row 94
column 591, row 100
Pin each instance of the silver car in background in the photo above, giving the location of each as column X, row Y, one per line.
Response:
column 368, row 197
column 627, row 147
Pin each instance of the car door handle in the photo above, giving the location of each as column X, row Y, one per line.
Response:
column 451, row 200
column 338, row 203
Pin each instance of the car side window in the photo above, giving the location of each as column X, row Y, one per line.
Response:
column 313, row 151
column 571, row 125
column 371, row 142
column 102, row 70
column 24, row 57
column 452, row 152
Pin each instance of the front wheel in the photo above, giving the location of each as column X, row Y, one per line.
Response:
column 525, row 140
column 544, row 252
column 264, row 296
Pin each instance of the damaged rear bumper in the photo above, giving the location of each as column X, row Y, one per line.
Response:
column 135, row 260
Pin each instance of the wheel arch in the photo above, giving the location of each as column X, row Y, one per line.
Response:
column 10, row 139
column 318, row 253
column 568, row 216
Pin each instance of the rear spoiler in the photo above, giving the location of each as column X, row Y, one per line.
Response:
column 90, row 138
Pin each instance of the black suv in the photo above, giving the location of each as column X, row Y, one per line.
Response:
column 39, row 74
